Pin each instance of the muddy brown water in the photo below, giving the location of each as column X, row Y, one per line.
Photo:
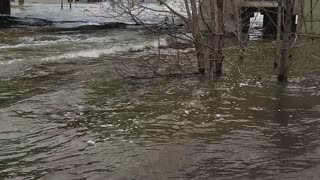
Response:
column 65, row 113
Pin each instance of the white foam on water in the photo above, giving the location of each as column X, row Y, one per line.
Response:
column 50, row 42
column 96, row 53
column 93, row 53
column 10, row 61
column 13, row 46
column 38, row 43
column 86, row 53
column 97, row 39
column 29, row 42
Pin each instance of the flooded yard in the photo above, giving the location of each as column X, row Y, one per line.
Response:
column 66, row 113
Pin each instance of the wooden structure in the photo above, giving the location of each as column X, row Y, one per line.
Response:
column 245, row 9
column 309, row 16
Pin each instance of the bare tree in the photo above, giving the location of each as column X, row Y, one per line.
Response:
column 279, row 32
column 216, row 34
column 198, row 39
column 207, row 32
column 206, row 28
column 287, row 42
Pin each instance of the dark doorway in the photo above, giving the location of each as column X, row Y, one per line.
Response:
column 269, row 21
column 5, row 7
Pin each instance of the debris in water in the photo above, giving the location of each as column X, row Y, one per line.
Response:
column 91, row 142
column 258, row 84
column 243, row 84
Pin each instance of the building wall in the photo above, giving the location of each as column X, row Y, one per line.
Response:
column 309, row 23
column 306, row 23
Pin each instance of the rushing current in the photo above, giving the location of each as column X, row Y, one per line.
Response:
column 67, row 113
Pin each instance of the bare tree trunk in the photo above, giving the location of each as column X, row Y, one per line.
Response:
column 220, row 33
column 70, row 4
column 212, row 35
column 186, row 3
column 279, row 31
column 216, row 36
column 5, row 7
column 197, row 37
column 311, row 16
column 286, row 52
column 237, row 17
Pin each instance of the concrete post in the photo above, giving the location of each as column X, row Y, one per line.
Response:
column 21, row 2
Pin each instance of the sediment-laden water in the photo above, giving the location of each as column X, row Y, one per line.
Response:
column 66, row 113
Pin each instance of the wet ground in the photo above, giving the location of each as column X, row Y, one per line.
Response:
column 67, row 113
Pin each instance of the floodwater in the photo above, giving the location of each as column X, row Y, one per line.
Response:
column 67, row 113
